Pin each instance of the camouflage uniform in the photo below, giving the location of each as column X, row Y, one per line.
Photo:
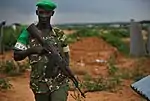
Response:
column 45, row 77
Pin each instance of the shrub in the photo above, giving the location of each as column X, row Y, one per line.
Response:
column 100, row 84
column 116, row 42
column 10, row 36
column 87, row 33
column 4, row 84
column 82, row 33
column 92, row 84
column 12, row 68
column 121, row 33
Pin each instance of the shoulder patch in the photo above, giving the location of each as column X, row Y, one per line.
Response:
column 58, row 31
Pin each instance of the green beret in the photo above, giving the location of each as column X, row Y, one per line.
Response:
column 46, row 4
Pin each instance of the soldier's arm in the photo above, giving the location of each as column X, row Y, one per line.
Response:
column 64, row 44
column 66, row 49
column 20, row 55
column 20, row 49
column 66, row 53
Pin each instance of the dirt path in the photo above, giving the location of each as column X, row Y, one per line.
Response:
column 21, row 92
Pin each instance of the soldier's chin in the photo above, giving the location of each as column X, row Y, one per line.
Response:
column 44, row 20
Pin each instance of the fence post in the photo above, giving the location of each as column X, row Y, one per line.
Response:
column 137, row 47
column 148, row 42
column 1, row 37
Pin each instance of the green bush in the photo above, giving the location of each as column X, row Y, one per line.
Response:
column 87, row 33
column 121, row 33
column 82, row 33
column 12, row 69
column 4, row 84
column 100, row 83
column 10, row 36
column 92, row 84
column 116, row 42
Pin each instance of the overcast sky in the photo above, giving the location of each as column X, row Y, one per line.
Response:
column 75, row 11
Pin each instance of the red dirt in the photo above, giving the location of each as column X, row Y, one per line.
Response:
column 91, row 55
column 83, row 57
column 21, row 92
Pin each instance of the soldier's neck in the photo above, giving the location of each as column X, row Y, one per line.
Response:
column 42, row 26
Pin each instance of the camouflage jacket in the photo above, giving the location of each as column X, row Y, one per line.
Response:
column 45, row 75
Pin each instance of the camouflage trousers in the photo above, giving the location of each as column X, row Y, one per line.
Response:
column 58, row 95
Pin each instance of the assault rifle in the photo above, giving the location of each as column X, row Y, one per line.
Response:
column 50, row 49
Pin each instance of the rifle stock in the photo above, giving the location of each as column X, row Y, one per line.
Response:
column 34, row 32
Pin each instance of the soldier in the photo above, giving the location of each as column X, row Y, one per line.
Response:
column 46, row 81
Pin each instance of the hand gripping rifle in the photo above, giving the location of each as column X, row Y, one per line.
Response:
column 50, row 49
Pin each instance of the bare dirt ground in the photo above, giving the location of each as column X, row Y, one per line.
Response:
column 21, row 92
column 89, row 55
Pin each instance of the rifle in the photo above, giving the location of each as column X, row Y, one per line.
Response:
column 50, row 49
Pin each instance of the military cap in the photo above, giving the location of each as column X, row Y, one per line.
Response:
column 46, row 4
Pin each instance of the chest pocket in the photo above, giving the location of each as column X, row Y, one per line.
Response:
column 54, row 41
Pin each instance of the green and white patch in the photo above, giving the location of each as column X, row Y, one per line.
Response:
column 20, row 46
column 66, row 49
column 63, row 38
